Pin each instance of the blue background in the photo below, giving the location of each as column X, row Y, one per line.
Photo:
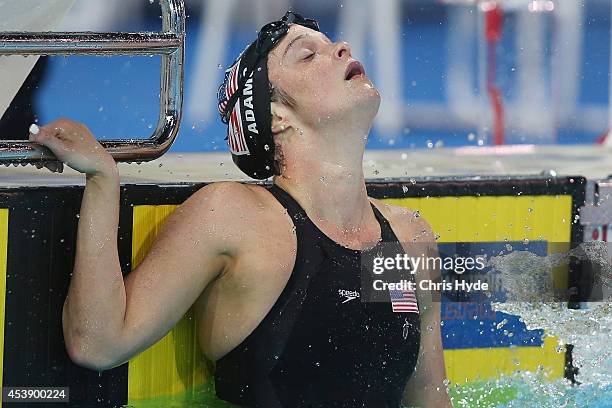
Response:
column 117, row 97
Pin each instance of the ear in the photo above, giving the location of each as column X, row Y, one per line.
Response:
column 280, row 118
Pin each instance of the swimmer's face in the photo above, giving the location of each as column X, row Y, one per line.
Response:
column 312, row 70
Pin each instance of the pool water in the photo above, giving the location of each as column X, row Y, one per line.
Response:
column 526, row 390
column 521, row 390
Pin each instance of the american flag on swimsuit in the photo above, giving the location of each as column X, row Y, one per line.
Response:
column 404, row 301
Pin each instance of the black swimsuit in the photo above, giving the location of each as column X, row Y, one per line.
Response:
column 319, row 346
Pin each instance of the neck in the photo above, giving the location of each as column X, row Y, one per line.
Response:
column 327, row 181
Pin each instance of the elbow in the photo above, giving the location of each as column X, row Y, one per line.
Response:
column 81, row 355
column 83, row 351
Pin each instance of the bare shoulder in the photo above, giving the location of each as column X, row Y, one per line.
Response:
column 232, row 195
column 226, row 200
column 214, row 212
column 408, row 225
column 240, row 207
column 226, row 192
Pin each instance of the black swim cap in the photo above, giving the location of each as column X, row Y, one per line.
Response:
column 244, row 100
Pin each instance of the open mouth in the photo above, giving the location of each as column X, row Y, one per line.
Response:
column 354, row 70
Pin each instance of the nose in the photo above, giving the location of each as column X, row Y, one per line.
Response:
column 342, row 48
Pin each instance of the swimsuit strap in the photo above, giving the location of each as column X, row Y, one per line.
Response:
column 297, row 213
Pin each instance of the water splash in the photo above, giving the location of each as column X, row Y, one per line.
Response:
column 589, row 329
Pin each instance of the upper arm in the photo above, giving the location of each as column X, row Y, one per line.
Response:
column 193, row 248
column 426, row 387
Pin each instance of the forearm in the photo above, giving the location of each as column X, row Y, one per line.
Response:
column 428, row 386
column 427, row 392
column 94, row 310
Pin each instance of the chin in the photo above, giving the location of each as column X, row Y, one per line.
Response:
column 369, row 100
column 376, row 98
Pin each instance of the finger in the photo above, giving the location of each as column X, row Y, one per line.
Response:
column 33, row 136
column 51, row 138
column 52, row 166
column 60, row 132
column 39, row 134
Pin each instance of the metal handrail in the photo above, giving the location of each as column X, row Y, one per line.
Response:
column 170, row 44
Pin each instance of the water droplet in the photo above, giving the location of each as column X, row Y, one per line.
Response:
column 501, row 324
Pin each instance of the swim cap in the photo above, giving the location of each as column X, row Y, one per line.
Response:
column 244, row 100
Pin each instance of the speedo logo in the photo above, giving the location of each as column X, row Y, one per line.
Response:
column 348, row 294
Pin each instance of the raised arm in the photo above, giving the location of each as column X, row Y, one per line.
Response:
column 106, row 320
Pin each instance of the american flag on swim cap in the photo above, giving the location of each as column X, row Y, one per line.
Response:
column 244, row 105
column 235, row 135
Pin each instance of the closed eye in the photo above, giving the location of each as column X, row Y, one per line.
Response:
column 309, row 56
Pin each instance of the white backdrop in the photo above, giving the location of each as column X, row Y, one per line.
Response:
column 25, row 15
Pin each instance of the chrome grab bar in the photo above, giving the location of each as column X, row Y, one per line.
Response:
column 170, row 44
